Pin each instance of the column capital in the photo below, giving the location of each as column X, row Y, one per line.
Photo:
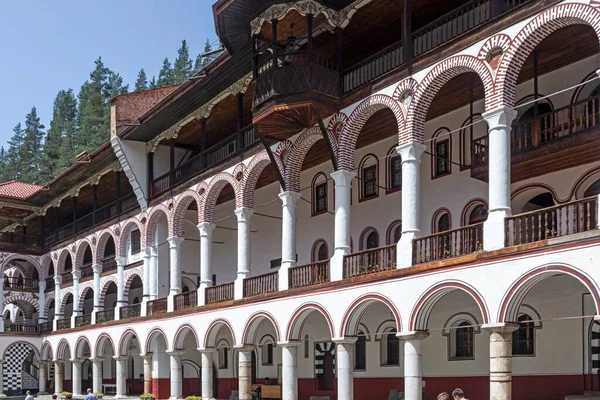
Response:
column 96, row 359
column 120, row 358
column 208, row 350
column 58, row 362
column 289, row 344
column 289, row 197
column 413, row 335
column 343, row 177
column 121, row 261
column 147, row 252
column 411, row 152
column 243, row 213
column 175, row 353
column 154, row 251
column 345, row 340
column 97, row 268
column 57, row 280
column 76, row 274
column 147, row 356
column 499, row 118
column 175, row 241
column 76, row 360
column 206, row 228
column 245, row 347
column 41, row 284
column 500, row 327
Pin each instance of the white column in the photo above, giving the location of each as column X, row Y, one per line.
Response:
column 121, row 300
column 243, row 249
column 410, row 154
column 41, row 301
column 344, row 361
column 76, row 310
column 2, row 302
column 76, row 377
column 175, row 265
column 245, row 372
column 58, row 376
column 413, row 364
column 176, row 374
column 207, row 373
column 499, row 126
column 343, row 187
column 96, row 374
column 146, row 283
column 43, row 378
column 206, row 230
column 289, row 201
column 121, row 377
column 289, row 370
column 147, row 372
column 153, row 273
column 501, row 360
column 97, row 268
column 57, row 299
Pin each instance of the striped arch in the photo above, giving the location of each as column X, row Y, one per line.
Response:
column 45, row 263
column 21, row 298
column 296, row 156
column 513, row 298
column 129, row 276
column 46, row 353
column 65, row 297
column 49, row 299
column 25, row 308
column 63, row 350
column 126, row 337
column 251, row 327
column 152, row 223
column 84, row 288
column 80, row 254
column 183, row 202
column 419, row 318
column 81, row 341
column 104, row 285
column 100, row 347
column 356, row 122
column 210, row 340
column 155, row 333
column 354, row 313
column 29, row 259
column 182, row 333
column 101, row 244
column 432, row 83
column 299, row 317
column 532, row 34
column 251, row 174
column 62, row 259
column 219, row 181
column 127, row 227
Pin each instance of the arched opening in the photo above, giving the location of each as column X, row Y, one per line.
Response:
column 106, row 350
column 88, row 301
column 108, row 298
column 320, row 251
column 186, row 340
column 108, row 256
column 593, row 189
column 86, row 266
column 21, row 362
column 135, row 292
column 225, row 236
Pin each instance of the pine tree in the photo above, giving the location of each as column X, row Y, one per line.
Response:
column 198, row 64
column 165, row 76
column 207, row 59
column 152, row 84
column 3, row 162
column 182, row 69
column 14, row 154
column 142, row 82
column 32, row 148
column 59, row 146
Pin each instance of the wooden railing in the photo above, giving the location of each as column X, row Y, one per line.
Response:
column 261, row 284
column 448, row 244
column 564, row 219
column 160, row 184
column 86, row 271
column 67, row 277
column 158, row 306
column 28, row 240
column 45, row 327
column 372, row 67
column 131, row 311
column 370, row 261
column 310, row 274
column 219, row 293
column 186, row 300
column 105, row 315
column 83, row 320
column 109, row 264
column 25, row 328
column 20, row 283
column 64, row 323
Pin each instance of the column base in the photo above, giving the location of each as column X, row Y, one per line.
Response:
column 176, row 398
column 121, row 396
column 404, row 251
column 284, row 275
column 238, row 287
column 171, row 302
column 493, row 230
column 336, row 264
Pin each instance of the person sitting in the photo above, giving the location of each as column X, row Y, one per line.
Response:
column 257, row 393
column 458, row 394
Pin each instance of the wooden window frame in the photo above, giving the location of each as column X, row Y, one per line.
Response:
column 316, row 184
column 136, row 244
column 362, row 168
column 443, row 138
column 389, row 173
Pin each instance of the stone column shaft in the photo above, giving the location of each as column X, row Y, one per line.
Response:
column 501, row 360
column 345, row 368
column 41, row 301
column 413, row 364
column 96, row 375
column 58, row 376
column 57, row 299
column 343, row 190
column 121, row 377
column 76, row 378
column 243, row 249
column 43, row 378
column 175, row 264
column 289, row 202
column 2, row 300
column 147, row 372
column 245, row 373
column 289, row 370
column 206, row 234
column 76, row 310
column 207, row 373
column 153, row 273
column 146, row 282
column 176, row 375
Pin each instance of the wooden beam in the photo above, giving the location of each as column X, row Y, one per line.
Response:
column 325, row 136
column 271, row 157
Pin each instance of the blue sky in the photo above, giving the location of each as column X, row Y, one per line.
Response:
column 47, row 46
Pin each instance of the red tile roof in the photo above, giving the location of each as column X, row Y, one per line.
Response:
column 18, row 190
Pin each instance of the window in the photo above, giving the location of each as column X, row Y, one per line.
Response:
column 442, row 157
column 306, row 349
column 319, row 190
column 276, row 263
column 320, row 251
column 390, row 345
column 464, row 341
column 394, row 173
column 443, row 223
column 523, row 338
column 223, row 358
column 369, row 239
column 394, row 232
column 267, row 354
column 360, row 352
column 478, row 214
column 136, row 242
column 369, row 182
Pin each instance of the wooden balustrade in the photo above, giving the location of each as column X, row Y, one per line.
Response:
column 372, row 67
column 370, row 261
column 45, row 327
column 86, row 271
column 158, row 306
column 64, row 323
column 219, row 293
column 561, row 220
column 160, row 184
column 24, row 328
column 15, row 283
column 109, row 264
column 131, row 311
column 448, row 244
column 83, row 320
column 186, row 300
column 310, row 274
column 261, row 284
column 105, row 315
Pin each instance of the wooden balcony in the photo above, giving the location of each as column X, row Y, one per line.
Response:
column 64, row 323
column 24, row 328
column 261, row 284
column 220, row 293
column 370, row 261
column 448, row 244
column 45, row 327
column 553, row 222
column 564, row 138
column 105, row 315
column 186, row 300
column 131, row 311
column 310, row 274
column 158, row 306
column 83, row 320
column 20, row 284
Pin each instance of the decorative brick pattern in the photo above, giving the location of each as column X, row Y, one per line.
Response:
column 63, row 350
column 217, row 183
column 128, row 226
column 253, row 323
column 529, row 37
column 23, row 299
column 405, row 91
column 183, row 202
column 356, row 121
column 65, row 294
column 46, row 352
column 104, row 284
column 32, row 260
column 79, row 255
column 149, row 234
column 101, row 246
column 83, row 289
column 251, row 174
column 46, row 262
column 129, row 276
column 12, row 367
column 500, row 41
column 449, row 68
column 296, row 156
column 49, row 300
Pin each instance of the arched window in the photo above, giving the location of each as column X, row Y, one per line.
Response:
column 463, row 345
column 319, row 194
column 360, row 352
column 393, row 171
column 474, row 212
column 524, row 337
column 320, row 251
column 593, row 190
column 394, row 232
column 369, row 177
column 369, row 239
column 267, row 353
column 306, row 349
column 390, row 346
column 223, row 354
column 441, row 148
column 441, row 221
column 136, row 241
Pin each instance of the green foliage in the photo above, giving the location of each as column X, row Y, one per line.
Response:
column 99, row 395
column 182, row 69
column 165, row 76
column 142, row 82
column 147, row 396
column 193, row 398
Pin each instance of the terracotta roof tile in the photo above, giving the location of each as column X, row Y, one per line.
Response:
column 18, row 190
